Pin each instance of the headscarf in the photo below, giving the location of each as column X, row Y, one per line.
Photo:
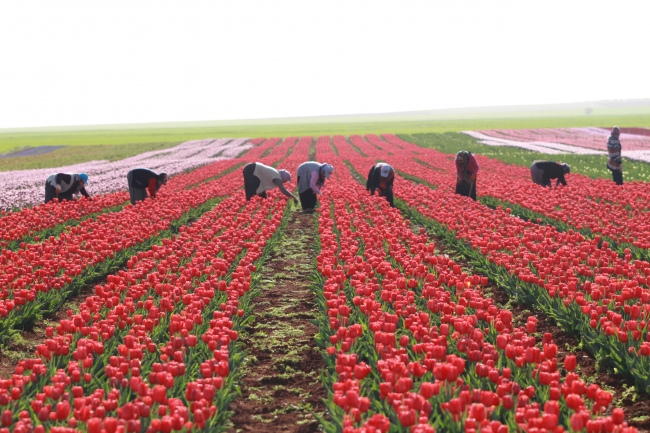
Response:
column 566, row 167
column 462, row 156
column 616, row 132
column 385, row 170
column 326, row 169
column 285, row 176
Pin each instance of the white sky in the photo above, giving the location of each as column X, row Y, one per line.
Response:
column 97, row 62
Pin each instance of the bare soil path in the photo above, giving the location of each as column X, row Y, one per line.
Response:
column 281, row 386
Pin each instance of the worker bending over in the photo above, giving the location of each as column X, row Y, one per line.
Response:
column 142, row 179
column 543, row 171
column 259, row 178
column 63, row 186
column 466, row 169
column 311, row 178
column 381, row 178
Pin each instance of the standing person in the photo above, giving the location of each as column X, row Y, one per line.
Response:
column 311, row 177
column 615, row 163
column 466, row 169
column 259, row 178
column 543, row 171
column 142, row 179
column 381, row 178
column 63, row 186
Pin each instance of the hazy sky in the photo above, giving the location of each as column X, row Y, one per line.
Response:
column 91, row 62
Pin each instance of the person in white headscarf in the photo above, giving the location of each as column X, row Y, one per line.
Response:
column 259, row 178
column 311, row 178
column 381, row 178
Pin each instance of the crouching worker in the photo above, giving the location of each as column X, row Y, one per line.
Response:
column 259, row 178
column 381, row 178
column 543, row 171
column 142, row 179
column 311, row 178
column 466, row 169
column 63, row 186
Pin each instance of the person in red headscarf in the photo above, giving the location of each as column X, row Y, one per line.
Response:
column 466, row 169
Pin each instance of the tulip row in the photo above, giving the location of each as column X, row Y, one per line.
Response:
column 39, row 278
column 583, row 284
column 401, row 291
column 436, row 175
column 150, row 351
column 42, row 221
column 33, row 277
column 591, row 206
column 15, row 227
column 25, row 187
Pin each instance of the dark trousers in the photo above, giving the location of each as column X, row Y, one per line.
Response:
column 468, row 189
column 135, row 194
column 388, row 193
column 50, row 194
column 617, row 175
column 308, row 199
column 251, row 182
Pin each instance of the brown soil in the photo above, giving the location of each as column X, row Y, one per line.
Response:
column 280, row 386
column 635, row 405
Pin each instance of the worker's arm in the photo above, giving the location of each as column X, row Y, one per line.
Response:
column 278, row 182
column 561, row 180
column 83, row 192
column 312, row 182
column 153, row 184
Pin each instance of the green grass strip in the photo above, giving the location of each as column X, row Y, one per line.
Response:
column 593, row 166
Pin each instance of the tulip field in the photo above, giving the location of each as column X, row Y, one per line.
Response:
column 155, row 303
column 580, row 141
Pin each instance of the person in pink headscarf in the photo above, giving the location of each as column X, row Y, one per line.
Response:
column 259, row 178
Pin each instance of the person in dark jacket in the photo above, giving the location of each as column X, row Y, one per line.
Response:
column 614, row 162
column 543, row 171
column 62, row 186
column 311, row 178
column 259, row 178
column 142, row 179
column 466, row 169
column 381, row 178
